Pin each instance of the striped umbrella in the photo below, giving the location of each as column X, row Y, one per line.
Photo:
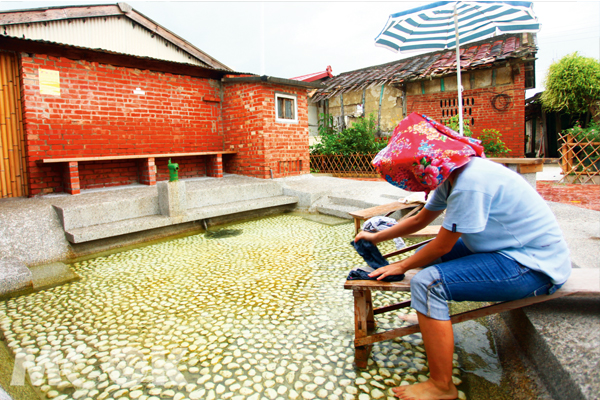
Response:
column 446, row 24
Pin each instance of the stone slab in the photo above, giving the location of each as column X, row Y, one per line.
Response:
column 89, row 233
column 50, row 275
column 337, row 210
column 14, row 276
column 13, row 392
column 172, row 198
column 132, row 204
column 4, row 395
column 325, row 219
column 310, row 189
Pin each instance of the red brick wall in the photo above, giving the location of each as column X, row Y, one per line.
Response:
column 510, row 123
column 262, row 144
column 97, row 114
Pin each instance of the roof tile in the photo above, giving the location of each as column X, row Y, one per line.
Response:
column 479, row 55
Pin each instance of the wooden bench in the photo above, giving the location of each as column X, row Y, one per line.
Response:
column 583, row 282
column 386, row 209
column 148, row 173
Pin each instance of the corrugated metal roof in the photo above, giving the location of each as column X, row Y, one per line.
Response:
column 315, row 75
column 431, row 65
column 84, row 53
column 111, row 27
column 115, row 33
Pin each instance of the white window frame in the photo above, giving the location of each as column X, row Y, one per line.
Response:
column 285, row 120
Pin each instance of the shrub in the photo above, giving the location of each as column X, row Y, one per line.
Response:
column 493, row 146
column 454, row 124
column 589, row 134
column 358, row 139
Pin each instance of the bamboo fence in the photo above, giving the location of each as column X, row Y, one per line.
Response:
column 579, row 159
column 347, row 166
column 13, row 175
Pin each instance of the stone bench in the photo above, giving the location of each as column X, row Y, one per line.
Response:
column 526, row 167
column 148, row 175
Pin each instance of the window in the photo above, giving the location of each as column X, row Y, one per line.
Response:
column 530, row 75
column 286, row 109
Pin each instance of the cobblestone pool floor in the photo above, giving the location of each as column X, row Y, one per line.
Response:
column 257, row 315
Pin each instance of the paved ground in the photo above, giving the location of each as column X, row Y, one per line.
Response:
column 548, row 186
column 584, row 196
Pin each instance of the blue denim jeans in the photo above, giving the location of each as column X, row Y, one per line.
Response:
column 465, row 276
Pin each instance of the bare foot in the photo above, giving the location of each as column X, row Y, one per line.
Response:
column 425, row 391
column 413, row 319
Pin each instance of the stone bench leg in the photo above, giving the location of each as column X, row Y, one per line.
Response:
column 71, row 178
column 214, row 166
column 148, row 171
column 364, row 322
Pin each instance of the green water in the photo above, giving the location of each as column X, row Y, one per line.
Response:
column 255, row 310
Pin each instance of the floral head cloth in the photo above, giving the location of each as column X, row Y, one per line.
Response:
column 422, row 153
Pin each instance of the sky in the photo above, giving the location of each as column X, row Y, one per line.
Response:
column 292, row 38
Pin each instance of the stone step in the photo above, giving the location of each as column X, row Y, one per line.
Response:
column 101, row 231
column 195, row 214
column 337, row 210
column 210, row 195
column 356, row 203
column 84, row 214
column 200, row 193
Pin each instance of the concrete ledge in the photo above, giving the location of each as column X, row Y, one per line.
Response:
column 561, row 338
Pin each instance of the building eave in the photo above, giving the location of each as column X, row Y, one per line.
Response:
column 48, row 14
column 273, row 80
column 108, row 57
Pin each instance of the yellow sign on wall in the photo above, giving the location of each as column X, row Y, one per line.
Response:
column 49, row 82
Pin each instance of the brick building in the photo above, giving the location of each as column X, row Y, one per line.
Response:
column 84, row 118
column 495, row 74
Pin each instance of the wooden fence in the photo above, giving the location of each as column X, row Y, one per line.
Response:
column 352, row 166
column 579, row 160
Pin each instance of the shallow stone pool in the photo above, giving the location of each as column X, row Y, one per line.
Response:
column 254, row 310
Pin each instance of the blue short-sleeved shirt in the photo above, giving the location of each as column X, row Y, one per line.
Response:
column 496, row 210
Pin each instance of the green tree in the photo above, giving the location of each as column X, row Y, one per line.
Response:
column 573, row 86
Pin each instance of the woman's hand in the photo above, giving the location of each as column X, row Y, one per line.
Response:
column 368, row 236
column 397, row 268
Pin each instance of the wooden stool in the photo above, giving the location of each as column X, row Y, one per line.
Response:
column 386, row 209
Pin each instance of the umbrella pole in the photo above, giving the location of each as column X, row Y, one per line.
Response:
column 458, row 80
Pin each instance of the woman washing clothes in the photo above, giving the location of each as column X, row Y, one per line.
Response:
column 499, row 240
